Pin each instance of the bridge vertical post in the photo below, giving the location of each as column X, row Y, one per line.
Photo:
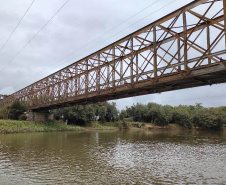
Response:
column 113, row 67
column 185, row 42
column 121, row 71
column 48, row 95
column 59, row 85
column 208, row 41
column 224, row 5
column 179, row 53
column 155, row 52
column 137, row 67
column 86, row 77
column 53, row 89
column 98, row 73
column 76, row 79
column 131, row 61
column 66, row 88
column 108, row 74
column 31, row 98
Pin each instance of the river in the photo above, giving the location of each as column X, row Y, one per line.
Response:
column 113, row 157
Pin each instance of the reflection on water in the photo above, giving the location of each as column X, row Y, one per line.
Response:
column 113, row 157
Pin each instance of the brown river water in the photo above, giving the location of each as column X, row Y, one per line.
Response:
column 113, row 157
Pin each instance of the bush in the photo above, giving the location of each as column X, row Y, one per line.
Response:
column 16, row 109
column 209, row 118
column 182, row 117
column 123, row 115
column 128, row 119
column 83, row 114
column 23, row 117
column 3, row 113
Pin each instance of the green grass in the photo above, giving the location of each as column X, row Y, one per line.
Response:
column 99, row 126
column 12, row 126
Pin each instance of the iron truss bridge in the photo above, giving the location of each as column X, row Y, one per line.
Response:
column 184, row 49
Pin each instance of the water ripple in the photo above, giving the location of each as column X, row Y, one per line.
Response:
column 113, row 158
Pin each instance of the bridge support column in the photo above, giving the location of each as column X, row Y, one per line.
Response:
column 224, row 5
column 39, row 116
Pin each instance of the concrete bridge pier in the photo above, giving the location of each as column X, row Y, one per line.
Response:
column 39, row 116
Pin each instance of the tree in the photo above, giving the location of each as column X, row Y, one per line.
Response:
column 168, row 113
column 112, row 112
column 154, row 113
column 90, row 112
column 102, row 113
column 139, row 112
column 182, row 116
column 130, row 111
column 82, row 114
column 123, row 115
column 3, row 113
column 16, row 110
column 210, row 118
column 160, row 115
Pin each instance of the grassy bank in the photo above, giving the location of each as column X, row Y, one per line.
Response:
column 99, row 126
column 151, row 126
column 12, row 126
column 130, row 125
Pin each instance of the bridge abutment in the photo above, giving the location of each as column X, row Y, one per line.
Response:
column 39, row 116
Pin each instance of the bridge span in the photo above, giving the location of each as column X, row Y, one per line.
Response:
column 184, row 49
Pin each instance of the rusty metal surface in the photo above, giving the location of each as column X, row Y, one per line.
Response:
column 181, row 50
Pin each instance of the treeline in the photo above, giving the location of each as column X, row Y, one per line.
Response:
column 82, row 114
column 186, row 116
column 16, row 111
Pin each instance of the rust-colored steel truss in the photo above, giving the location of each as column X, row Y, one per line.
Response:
column 183, row 49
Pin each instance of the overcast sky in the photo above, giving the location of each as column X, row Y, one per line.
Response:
column 81, row 27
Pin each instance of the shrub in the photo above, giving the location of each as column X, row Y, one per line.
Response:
column 3, row 113
column 23, row 117
column 16, row 109
column 182, row 117
column 209, row 118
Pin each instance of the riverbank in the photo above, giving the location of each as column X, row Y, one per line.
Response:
column 151, row 126
column 13, row 126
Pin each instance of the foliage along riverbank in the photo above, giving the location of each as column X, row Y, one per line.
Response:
column 192, row 116
column 14, row 126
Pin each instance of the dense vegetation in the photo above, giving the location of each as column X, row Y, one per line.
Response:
column 186, row 116
column 80, row 114
column 14, row 111
column 12, row 126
